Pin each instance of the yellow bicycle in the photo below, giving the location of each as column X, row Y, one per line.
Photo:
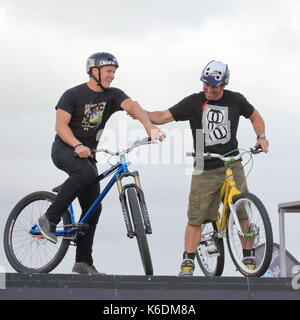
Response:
column 254, row 231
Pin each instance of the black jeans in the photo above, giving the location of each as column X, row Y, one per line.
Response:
column 82, row 173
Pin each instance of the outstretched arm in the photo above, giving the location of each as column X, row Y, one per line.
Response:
column 259, row 128
column 137, row 112
column 160, row 117
column 157, row 117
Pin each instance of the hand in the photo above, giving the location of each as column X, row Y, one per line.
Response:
column 83, row 151
column 130, row 115
column 156, row 134
column 264, row 143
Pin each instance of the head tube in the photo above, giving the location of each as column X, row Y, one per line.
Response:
column 123, row 163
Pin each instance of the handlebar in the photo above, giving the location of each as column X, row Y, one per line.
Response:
column 136, row 144
column 255, row 150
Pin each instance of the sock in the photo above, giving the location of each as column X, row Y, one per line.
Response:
column 187, row 255
column 248, row 253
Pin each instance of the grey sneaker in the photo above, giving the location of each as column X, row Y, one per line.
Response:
column 187, row 268
column 47, row 228
column 84, row 268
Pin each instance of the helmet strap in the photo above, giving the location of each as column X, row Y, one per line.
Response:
column 98, row 81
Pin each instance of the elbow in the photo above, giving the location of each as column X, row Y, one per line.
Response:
column 166, row 117
column 57, row 128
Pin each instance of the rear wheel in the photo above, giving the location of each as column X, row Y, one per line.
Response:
column 210, row 252
column 258, row 233
column 139, row 230
column 27, row 252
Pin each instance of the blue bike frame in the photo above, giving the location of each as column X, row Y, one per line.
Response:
column 120, row 167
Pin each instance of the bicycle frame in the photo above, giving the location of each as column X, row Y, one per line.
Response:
column 228, row 191
column 121, row 172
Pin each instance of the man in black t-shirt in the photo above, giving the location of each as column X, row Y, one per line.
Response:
column 214, row 116
column 81, row 115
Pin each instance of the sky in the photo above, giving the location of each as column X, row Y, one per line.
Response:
column 162, row 47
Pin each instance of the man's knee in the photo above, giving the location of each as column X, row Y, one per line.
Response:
column 194, row 226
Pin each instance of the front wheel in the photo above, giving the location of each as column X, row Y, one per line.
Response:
column 29, row 252
column 257, row 232
column 139, row 230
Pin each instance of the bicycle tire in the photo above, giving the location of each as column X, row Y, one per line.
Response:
column 263, row 233
column 139, row 231
column 26, row 253
column 212, row 265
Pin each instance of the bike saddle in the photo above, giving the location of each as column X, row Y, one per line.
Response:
column 56, row 189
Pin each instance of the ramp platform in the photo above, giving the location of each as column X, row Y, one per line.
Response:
column 116, row 287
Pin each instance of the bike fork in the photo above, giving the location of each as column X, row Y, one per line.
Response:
column 124, row 205
column 236, row 220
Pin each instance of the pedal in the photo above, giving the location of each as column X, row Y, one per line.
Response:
column 213, row 250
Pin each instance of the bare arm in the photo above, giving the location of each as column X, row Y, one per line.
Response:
column 137, row 112
column 259, row 128
column 160, row 117
column 62, row 128
column 65, row 133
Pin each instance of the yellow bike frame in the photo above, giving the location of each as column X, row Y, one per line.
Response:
column 228, row 191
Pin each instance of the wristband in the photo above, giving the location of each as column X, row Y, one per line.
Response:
column 77, row 145
column 261, row 136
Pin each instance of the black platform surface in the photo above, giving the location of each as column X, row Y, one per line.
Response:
column 116, row 287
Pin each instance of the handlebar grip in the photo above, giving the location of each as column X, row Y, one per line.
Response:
column 257, row 149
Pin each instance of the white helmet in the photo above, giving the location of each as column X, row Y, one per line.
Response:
column 215, row 73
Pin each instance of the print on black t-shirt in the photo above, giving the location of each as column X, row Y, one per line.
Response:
column 93, row 115
column 216, row 125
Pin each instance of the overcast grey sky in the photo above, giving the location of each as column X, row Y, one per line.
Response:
column 162, row 47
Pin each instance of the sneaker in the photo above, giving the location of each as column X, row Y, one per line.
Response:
column 250, row 262
column 47, row 228
column 187, row 268
column 84, row 268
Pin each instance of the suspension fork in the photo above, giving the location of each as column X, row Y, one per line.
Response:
column 233, row 192
column 124, row 205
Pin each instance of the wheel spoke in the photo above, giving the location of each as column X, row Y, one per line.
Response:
column 27, row 252
column 256, row 227
column 210, row 252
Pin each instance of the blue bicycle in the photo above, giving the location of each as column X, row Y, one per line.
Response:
column 29, row 252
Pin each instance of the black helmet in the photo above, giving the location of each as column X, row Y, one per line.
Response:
column 101, row 59
column 215, row 73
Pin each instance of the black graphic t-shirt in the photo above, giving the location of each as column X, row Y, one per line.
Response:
column 218, row 122
column 90, row 111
